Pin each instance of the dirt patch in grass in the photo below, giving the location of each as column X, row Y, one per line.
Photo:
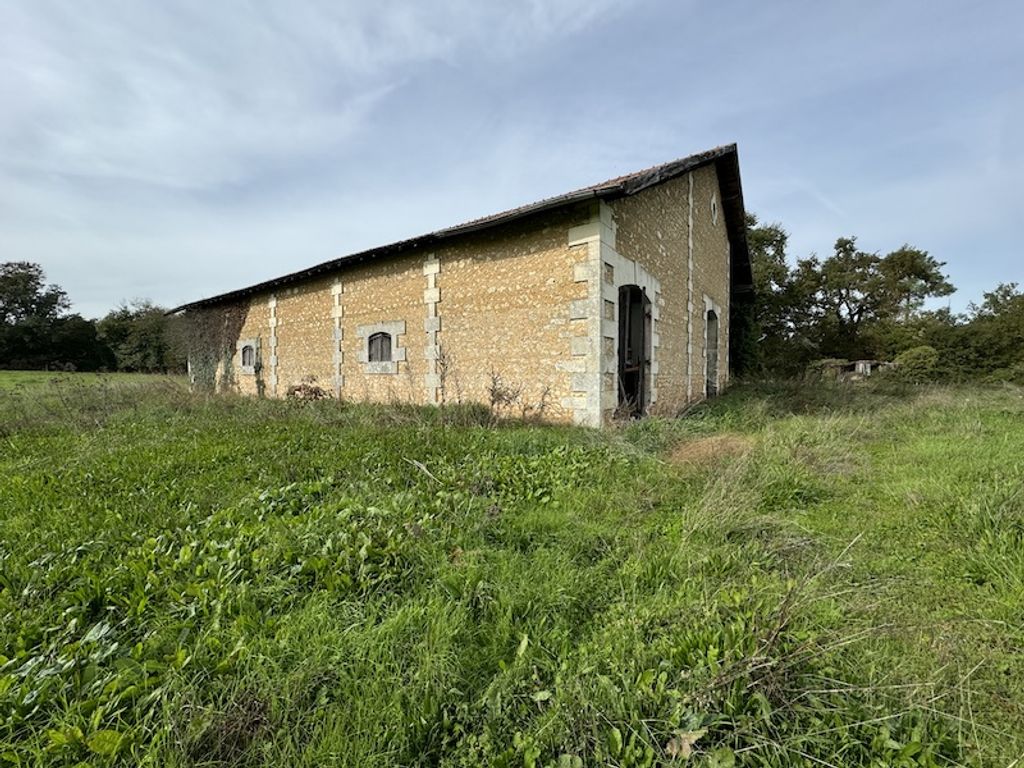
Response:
column 707, row 451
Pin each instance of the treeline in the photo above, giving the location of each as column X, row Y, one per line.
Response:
column 857, row 305
column 38, row 331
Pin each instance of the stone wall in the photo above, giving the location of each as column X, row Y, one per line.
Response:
column 532, row 304
column 505, row 308
column 492, row 304
column 673, row 231
column 710, row 277
column 652, row 229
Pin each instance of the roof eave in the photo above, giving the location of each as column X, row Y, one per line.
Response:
column 741, row 280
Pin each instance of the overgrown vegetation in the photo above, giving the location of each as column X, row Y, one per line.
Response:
column 791, row 576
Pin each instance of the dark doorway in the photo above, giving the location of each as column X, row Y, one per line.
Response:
column 712, row 353
column 634, row 350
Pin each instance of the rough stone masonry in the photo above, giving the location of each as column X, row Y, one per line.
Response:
column 614, row 299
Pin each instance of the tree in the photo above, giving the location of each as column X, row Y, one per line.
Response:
column 853, row 294
column 909, row 276
column 940, row 329
column 852, row 304
column 35, row 331
column 767, row 244
column 771, row 326
column 917, row 365
column 138, row 335
column 995, row 332
column 75, row 342
column 24, row 294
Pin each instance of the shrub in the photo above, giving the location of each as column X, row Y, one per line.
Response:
column 1013, row 374
column 917, row 364
column 307, row 391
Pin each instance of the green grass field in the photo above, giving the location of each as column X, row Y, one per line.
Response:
column 38, row 381
column 788, row 577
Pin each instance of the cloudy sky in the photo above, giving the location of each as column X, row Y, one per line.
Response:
column 172, row 150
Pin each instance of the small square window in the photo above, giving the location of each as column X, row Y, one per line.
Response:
column 380, row 353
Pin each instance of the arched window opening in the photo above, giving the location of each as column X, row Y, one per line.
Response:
column 249, row 356
column 379, row 348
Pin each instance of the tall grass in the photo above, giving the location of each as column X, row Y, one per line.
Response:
column 785, row 577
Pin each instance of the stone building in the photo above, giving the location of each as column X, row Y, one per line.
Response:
column 611, row 300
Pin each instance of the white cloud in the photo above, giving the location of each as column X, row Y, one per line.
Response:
column 197, row 94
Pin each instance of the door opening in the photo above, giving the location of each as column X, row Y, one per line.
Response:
column 634, row 350
column 712, row 353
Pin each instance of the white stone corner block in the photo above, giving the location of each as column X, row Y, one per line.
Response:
column 579, row 309
column 582, row 272
column 585, row 233
column 572, row 365
column 580, row 382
